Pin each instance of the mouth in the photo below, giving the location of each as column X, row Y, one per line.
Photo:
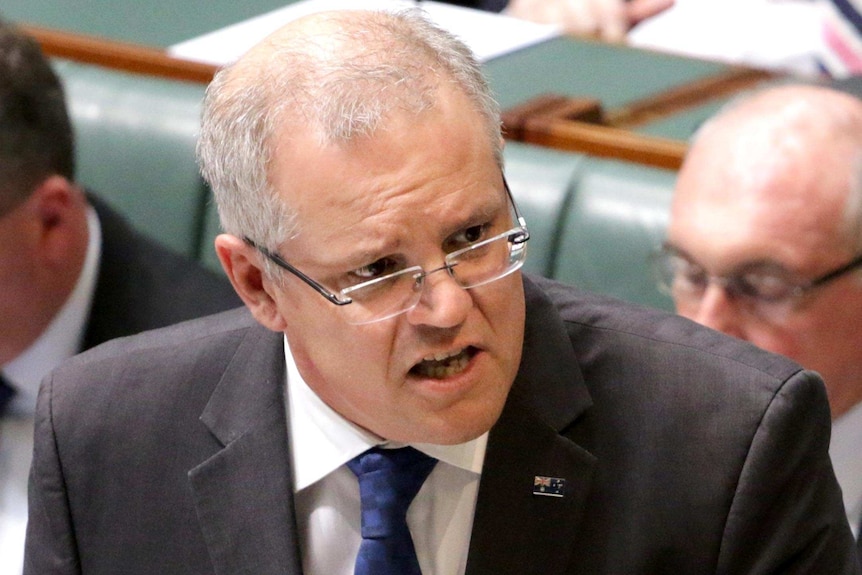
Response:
column 443, row 365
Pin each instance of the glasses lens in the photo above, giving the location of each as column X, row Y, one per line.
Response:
column 678, row 277
column 762, row 287
column 489, row 260
column 481, row 263
column 384, row 297
column 763, row 293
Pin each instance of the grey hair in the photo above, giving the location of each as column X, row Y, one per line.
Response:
column 343, row 84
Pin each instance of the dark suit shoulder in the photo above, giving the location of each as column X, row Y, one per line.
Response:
column 144, row 285
column 182, row 341
column 152, row 384
column 698, row 439
column 664, row 336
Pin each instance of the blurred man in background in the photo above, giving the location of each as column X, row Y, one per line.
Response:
column 73, row 273
column 765, row 243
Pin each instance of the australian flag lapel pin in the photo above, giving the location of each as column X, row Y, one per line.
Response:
column 549, row 486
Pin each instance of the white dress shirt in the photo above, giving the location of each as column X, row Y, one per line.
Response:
column 60, row 341
column 844, row 451
column 327, row 493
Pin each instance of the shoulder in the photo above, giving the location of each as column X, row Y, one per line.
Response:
column 144, row 285
column 191, row 354
column 607, row 329
column 188, row 338
column 638, row 362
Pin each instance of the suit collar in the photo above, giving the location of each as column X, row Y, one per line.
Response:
column 549, row 379
column 243, row 494
column 514, row 530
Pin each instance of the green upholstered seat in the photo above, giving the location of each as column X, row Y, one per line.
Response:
column 135, row 138
column 541, row 182
column 617, row 217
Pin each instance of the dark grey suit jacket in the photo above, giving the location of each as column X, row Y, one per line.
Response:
column 683, row 451
column 143, row 285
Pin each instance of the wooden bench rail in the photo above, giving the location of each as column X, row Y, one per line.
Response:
column 575, row 124
column 579, row 125
column 582, row 125
column 119, row 55
column 605, row 141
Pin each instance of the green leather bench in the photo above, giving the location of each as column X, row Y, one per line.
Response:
column 135, row 140
column 616, row 219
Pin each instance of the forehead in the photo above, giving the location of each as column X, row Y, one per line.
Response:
column 773, row 200
column 415, row 170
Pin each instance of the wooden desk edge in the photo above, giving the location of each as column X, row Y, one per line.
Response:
column 119, row 55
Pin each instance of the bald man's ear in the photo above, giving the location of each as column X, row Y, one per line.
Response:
column 241, row 263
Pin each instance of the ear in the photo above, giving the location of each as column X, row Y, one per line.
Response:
column 241, row 263
column 60, row 209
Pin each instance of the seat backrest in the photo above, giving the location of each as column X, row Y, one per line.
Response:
column 541, row 181
column 135, row 139
column 617, row 218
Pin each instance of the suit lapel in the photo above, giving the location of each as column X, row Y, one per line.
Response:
column 243, row 494
column 516, row 531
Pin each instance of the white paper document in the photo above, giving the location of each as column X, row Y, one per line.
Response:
column 488, row 34
column 786, row 35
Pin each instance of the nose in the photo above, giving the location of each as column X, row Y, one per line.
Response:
column 443, row 303
column 716, row 309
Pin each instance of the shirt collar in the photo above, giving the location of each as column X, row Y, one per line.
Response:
column 329, row 440
column 844, row 451
column 62, row 338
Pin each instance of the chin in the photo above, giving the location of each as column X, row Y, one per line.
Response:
column 462, row 428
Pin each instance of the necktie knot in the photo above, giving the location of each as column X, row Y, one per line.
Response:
column 389, row 479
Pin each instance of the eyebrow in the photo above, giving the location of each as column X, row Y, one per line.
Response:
column 759, row 264
column 484, row 212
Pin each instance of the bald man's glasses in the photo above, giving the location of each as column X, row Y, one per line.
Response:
column 764, row 286
column 392, row 290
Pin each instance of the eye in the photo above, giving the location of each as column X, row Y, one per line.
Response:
column 466, row 237
column 689, row 276
column 764, row 286
column 374, row 270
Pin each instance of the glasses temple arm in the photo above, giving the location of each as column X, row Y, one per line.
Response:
column 522, row 222
column 280, row 262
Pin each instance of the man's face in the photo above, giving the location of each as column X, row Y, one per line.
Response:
column 735, row 211
column 409, row 195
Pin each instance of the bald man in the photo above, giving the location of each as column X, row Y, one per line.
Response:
column 765, row 239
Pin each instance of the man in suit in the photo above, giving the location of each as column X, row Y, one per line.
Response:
column 73, row 273
column 765, row 243
column 356, row 161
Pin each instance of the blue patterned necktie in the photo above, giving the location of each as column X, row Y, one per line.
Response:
column 389, row 479
column 6, row 393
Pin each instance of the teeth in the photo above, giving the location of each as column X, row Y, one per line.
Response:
column 443, row 365
column 442, row 356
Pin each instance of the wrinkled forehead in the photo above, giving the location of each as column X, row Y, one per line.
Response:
column 438, row 150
